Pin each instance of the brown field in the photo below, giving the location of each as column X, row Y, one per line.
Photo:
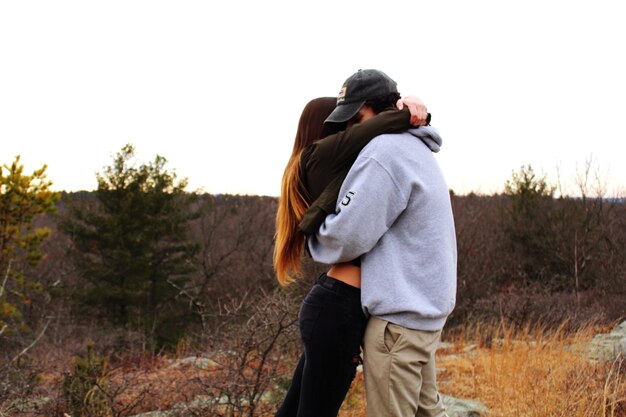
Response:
column 530, row 371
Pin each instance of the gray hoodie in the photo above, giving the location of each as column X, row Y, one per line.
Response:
column 394, row 209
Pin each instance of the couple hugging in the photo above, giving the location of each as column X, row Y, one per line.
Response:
column 363, row 193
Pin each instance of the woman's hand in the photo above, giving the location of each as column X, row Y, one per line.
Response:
column 419, row 115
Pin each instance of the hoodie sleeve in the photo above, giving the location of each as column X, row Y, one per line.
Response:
column 370, row 201
column 339, row 150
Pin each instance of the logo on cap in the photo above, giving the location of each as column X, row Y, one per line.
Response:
column 341, row 97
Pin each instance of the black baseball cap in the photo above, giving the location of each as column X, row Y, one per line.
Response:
column 361, row 86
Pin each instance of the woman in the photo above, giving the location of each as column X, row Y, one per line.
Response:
column 331, row 319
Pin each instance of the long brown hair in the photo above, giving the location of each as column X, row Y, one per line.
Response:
column 294, row 199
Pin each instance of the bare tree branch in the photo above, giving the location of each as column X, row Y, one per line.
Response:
column 4, row 282
column 191, row 298
column 34, row 342
column 6, row 277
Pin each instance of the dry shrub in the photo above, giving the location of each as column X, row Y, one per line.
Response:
column 157, row 385
column 255, row 337
column 520, row 305
column 533, row 372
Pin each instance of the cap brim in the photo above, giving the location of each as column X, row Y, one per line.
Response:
column 344, row 112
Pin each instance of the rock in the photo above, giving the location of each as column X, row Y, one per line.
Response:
column 198, row 362
column 155, row 414
column 607, row 347
column 619, row 330
column 456, row 407
column 28, row 406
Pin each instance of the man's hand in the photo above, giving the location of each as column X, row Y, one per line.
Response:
column 419, row 115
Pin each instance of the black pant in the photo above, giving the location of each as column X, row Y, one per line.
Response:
column 331, row 326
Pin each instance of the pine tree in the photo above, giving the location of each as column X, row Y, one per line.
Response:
column 529, row 222
column 132, row 248
column 22, row 198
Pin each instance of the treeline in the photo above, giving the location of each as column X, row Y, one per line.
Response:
column 141, row 265
column 139, row 253
column 526, row 255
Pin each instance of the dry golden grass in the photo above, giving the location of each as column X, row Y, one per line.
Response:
column 528, row 372
column 532, row 372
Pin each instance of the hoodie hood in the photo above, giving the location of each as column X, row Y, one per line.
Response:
column 429, row 136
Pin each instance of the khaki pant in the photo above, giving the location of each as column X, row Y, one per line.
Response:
column 399, row 368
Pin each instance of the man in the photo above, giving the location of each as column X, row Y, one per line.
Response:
column 394, row 213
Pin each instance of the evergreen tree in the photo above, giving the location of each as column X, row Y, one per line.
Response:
column 22, row 198
column 132, row 246
column 529, row 222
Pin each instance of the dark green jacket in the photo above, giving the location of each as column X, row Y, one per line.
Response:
column 325, row 163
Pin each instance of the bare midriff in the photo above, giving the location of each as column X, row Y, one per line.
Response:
column 347, row 273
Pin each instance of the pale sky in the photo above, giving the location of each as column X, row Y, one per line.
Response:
column 217, row 87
